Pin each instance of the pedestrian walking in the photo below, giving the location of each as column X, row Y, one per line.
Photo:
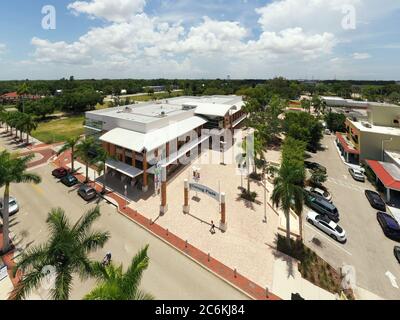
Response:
column 212, row 230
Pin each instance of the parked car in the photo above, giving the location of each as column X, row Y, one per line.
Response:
column 357, row 175
column 326, row 225
column 69, row 180
column 87, row 193
column 13, row 206
column 375, row 200
column 60, row 173
column 322, row 206
column 320, row 192
column 396, row 251
column 315, row 166
column 389, row 225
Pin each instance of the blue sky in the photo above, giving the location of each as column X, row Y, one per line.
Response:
column 201, row 39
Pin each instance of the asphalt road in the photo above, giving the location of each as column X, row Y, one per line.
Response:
column 367, row 248
column 171, row 275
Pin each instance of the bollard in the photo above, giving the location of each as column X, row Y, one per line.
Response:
column 235, row 273
column 209, row 257
column 186, row 244
column 151, row 221
column 267, row 292
column 167, row 232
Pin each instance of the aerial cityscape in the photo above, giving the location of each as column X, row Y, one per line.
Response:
column 175, row 150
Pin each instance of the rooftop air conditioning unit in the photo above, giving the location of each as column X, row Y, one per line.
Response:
column 366, row 124
column 188, row 107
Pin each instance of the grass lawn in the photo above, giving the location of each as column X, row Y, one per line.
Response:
column 59, row 130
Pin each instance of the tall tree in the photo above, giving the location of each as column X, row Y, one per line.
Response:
column 13, row 170
column 68, row 250
column 70, row 145
column 29, row 124
column 22, row 91
column 85, row 151
column 288, row 193
column 114, row 284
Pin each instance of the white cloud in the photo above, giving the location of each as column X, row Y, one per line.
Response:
column 112, row 10
column 3, row 48
column 361, row 55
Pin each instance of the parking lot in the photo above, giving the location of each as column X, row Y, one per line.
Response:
column 367, row 249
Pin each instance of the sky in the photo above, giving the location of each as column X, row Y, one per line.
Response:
column 252, row 39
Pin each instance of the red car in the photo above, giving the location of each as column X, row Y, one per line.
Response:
column 60, row 173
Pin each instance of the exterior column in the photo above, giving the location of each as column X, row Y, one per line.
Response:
column 164, row 204
column 123, row 155
column 145, row 177
column 133, row 159
column 388, row 194
column 223, row 224
column 186, row 208
column 347, row 157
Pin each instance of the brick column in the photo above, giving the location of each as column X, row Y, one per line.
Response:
column 123, row 155
column 186, row 207
column 223, row 224
column 145, row 177
column 164, row 204
column 133, row 159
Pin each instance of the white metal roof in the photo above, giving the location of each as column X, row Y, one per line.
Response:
column 139, row 142
column 213, row 109
column 124, row 168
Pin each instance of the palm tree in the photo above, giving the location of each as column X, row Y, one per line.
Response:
column 67, row 251
column 70, row 145
column 306, row 105
column 288, row 193
column 114, row 284
column 29, row 125
column 13, row 170
column 85, row 152
column 101, row 167
column 22, row 91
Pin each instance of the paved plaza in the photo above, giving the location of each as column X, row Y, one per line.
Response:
column 247, row 238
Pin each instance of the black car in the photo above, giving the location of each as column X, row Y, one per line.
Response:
column 315, row 166
column 375, row 200
column 389, row 225
column 60, row 173
column 322, row 206
column 396, row 251
column 87, row 193
column 69, row 180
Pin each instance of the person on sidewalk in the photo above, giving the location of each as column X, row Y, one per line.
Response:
column 212, row 230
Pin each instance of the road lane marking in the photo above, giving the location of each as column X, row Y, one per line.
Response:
column 392, row 279
column 37, row 189
column 327, row 238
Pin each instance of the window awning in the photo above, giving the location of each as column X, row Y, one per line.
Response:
column 387, row 173
column 123, row 168
column 181, row 152
column 345, row 144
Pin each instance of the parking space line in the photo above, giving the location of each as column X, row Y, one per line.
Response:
column 328, row 238
column 37, row 189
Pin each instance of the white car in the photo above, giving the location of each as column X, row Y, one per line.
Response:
column 319, row 192
column 357, row 175
column 326, row 225
column 13, row 207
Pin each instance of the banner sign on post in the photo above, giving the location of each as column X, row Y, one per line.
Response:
column 203, row 189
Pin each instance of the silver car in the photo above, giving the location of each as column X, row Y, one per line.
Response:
column 357, row 175
column 327, row 226
column 13, row 207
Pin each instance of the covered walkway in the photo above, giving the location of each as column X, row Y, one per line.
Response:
column 349, row 152
column 388, row 174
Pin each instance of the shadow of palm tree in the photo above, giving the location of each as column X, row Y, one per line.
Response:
column 288, row 259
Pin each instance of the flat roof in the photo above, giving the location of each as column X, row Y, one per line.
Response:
column 376, row 129
column 143, row 113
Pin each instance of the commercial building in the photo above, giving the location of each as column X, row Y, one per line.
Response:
column 333, row 102
column 142, row 138
column 376, row 143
